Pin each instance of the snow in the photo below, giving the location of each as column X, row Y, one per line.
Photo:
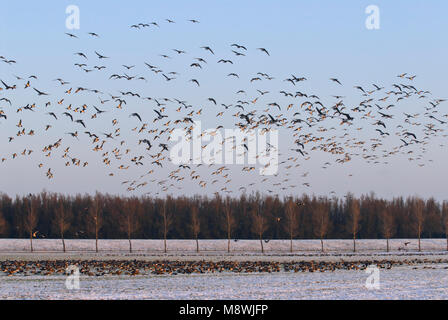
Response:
column 397, row 283
column 425, row 279
column 241, row 246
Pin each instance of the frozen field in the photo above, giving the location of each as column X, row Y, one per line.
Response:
column 425, row 278
column 398, row 283
column 220, row 246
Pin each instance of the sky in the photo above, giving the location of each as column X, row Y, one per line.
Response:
column 313, row 39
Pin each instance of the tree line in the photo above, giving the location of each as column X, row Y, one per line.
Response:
column 104, row 216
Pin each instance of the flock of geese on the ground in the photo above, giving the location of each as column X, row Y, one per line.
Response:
column 176, row 267
column 128, row 128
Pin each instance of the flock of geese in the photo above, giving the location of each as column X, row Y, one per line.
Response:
column 175, row 267
column 128, row 129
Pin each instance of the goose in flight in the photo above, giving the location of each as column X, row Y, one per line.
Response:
column 100, row 56
column 40, row 93
column 200, row 60
column 225, row 61
column 238, row 53
column 238, row 46
column 405, row 143
column 160, row 116
column 335, row 80
column 98, row 110
column 179, row 51
column 407, row 133
column 378, row 88
column 359, row 88
column 73, row 134
column 208, row 49
column 147, row 142
column 381, row 132
column 195, row 81
column 264, row 50
column 68, row 115
column 136, row 115
column 6, row 100
column 71, row 35
column 53, row 115
column 81, row 122
column 81, row 55
column 8, row 87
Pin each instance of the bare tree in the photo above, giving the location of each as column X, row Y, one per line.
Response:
column 387, row 225
column 31, row 218
column 130, row 209
column 95, row 217
column 320, row 220
column 61, row 221
column 259, row 225
column 291, row 220
column 445, row 220
column 418, row 206
column 355, row 216
column 230, row 221
column 28, row 216
column 3, row 224
column 167, row 220
column 195, row 224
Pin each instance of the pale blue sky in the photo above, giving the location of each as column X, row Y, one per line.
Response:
column 315, row 39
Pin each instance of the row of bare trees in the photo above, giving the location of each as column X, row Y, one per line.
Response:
column 49, row 215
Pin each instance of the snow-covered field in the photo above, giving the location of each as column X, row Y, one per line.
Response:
column 214, row 246
column 425, row 279
column 396, row 283
column 215, row 250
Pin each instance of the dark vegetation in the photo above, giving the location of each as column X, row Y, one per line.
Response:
column 49, row 215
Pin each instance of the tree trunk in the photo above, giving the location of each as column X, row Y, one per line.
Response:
column 290, row 244
column 31, row 241
column 354, row 243
column 63, row 242
column 96, row 239
column 322, row 244
column 197, row 244
column 446, row 242
column 164, row 236
column 419, row 246
column 276, row 230
column 129, row 233
column 261, row 243
column 387, row 244
column 228, row 237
